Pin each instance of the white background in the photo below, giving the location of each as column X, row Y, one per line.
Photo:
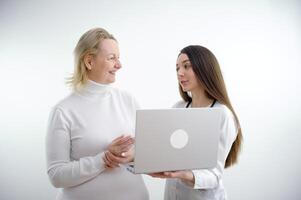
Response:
column 258, row 46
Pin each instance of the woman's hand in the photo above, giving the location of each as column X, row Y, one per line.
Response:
column 121, row 144
column 120, row 151
column 113, row 161
column 185, row 176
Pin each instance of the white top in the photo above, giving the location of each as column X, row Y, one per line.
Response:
column 80, row 128
column 208, row 183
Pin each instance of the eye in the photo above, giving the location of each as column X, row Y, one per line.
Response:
column 177, row 68
column 187, row 66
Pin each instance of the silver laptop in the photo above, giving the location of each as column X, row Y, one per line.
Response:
column 176, row 139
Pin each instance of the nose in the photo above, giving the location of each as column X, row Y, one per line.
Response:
column 180, row 72
column 117, row 64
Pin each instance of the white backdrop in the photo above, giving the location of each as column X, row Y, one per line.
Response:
column 258, row 46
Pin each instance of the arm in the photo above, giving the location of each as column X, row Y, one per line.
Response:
column 61, row 170
column 206, row 179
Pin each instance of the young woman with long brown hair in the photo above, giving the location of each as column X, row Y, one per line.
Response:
column 201, row 84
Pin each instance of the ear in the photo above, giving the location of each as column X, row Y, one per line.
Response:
column 89, row 62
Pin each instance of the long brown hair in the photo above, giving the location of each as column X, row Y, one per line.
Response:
column 209, row 75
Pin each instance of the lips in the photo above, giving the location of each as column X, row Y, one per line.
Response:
column 184, row 82
column 112, row 72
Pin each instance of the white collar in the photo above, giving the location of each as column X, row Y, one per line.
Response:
column 94, row 89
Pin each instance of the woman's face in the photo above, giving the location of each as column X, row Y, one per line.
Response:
column 185, row 74
column 106, row 62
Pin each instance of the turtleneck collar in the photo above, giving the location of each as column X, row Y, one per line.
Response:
column 93, row 88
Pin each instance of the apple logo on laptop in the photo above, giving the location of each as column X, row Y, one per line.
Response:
column 179, row 139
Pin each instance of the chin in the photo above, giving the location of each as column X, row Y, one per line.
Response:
column 110, row 80
column 185, row 89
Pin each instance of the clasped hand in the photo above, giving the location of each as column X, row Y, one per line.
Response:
column 119, row 151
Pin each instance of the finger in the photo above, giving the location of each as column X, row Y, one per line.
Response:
column 112, row 158
column 127, row 153
column 177, row 174
column 117, row 150
column 157, row 175
column 120, row 160
column 168, row 174
column 126, row 157
column 111, row 163
column 113, row 149
column 153, row 174
column 125, row 148
column 118, row 138
column 107, row 166
column 123, row 140
column 127, row 142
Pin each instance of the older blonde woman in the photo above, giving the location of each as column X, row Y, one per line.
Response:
column 95, row 120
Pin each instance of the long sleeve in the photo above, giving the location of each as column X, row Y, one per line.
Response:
column 62, row 171
column 207, row 179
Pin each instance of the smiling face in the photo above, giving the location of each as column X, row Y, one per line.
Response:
column 186, row 75
column 103, row 66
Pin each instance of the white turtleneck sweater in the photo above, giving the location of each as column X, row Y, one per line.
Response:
column 81, row 126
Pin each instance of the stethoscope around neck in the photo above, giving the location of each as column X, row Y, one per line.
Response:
column 189, row 102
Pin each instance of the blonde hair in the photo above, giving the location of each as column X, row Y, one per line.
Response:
column 87, row 45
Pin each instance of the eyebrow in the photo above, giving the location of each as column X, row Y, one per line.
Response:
column 184, row 61
column 113, row 54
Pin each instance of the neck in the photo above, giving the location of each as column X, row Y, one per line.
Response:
column 95, row 80
column 200, row 99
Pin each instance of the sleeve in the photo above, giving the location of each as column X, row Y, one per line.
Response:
column 135, row 106
column 207, row 179
column 61, row 170
column 135, row 103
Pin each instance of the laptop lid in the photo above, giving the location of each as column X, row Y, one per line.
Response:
column 176, row 139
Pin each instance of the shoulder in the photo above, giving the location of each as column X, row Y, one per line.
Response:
column 227, row 115
column 58, row 112
column 66, row 102
column 180, row 104
column 66, row 105
column 226, row 111
column 125, row 96
column 122, row 94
